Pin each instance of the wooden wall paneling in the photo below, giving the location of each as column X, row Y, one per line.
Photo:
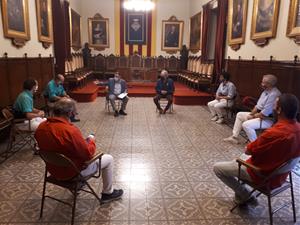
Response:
column 125, row 73
column 17, row 74
column 4, row 84
column 47, row 70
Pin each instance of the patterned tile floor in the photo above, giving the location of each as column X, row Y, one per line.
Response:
column 163, row 162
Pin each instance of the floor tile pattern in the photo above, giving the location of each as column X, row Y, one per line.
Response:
column 163, row 162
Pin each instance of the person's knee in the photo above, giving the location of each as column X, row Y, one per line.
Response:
column 217, row 169
column 112, row 97
column 246, row 125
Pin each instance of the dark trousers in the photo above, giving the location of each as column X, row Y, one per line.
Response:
column 159, row 96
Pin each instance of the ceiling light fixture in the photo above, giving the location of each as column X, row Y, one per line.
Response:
column 139, row 5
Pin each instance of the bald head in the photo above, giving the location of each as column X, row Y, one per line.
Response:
column 164, row 74
column 64, row 107
column 59, row 78
column 270, row 80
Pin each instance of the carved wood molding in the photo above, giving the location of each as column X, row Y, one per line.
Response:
column 297, row 39
column 261, row 42
column 235, row 47
column 18, row 42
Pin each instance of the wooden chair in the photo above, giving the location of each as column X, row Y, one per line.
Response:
column 265, row 186
column 163, row 103
column 20, row 134
column 75, row 185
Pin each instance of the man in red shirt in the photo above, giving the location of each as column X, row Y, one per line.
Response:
column 59, row 135
column 273, row 147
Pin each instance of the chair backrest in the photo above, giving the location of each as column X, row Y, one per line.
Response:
column 286, row 167
column 57, row 159
column 8, row 115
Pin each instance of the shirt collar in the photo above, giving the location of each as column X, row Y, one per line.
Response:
column 29, row 93
column 59, row 120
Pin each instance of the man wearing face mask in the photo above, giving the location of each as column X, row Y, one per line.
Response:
column 164, row 89
column 224, row 98
column 260, row 115
column 55, row 91
column 23, row 107
column 117, row 89
column 271, row 149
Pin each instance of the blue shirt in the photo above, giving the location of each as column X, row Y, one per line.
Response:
column 228, row 89
column 267, row 101
column 54, row 90
column 24, row 102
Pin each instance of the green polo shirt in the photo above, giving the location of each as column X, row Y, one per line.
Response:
column 54, row 90
column 24, row 102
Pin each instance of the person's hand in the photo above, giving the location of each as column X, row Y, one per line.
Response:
column 164, row 92
column 218, row 98
column 250, row 116
column 41, row 113
column 91, row 137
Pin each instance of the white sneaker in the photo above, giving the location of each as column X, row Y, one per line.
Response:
column 215, row 118
column 220, row 120
column 231, row 139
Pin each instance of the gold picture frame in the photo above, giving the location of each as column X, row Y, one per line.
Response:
column 237, row 21
column 264, row 20
column 195, row 32
column 15, row 19
column 171, row 37
column 98, row 31
column 44, row 22
column 75, row 27
column 293, row 26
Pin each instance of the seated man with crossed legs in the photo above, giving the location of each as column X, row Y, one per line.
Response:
column 59, row 135
column 259, row 117
column 224, row 98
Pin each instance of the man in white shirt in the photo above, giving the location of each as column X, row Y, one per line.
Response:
column 259, row 117
column 224, row 98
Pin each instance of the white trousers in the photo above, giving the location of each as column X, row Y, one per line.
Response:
column 34, row 123
column 107, row 167
column 249, row 126
column 217, row 107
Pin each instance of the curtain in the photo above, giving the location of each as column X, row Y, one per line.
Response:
column 220, row 37
column 205, row 25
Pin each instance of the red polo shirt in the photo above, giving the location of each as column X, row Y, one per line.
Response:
column 273, row 147
column 58, row 135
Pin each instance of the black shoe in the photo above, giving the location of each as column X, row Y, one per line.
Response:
column 116, row 113
column 160, row 111
column 115, row 195
column 74, row 120
column 121, row 112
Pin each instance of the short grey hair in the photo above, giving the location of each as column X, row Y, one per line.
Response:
column 64, row 107
column 164, row 72
column 271, row 79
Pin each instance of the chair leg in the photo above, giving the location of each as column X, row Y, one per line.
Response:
column 293, row 198
column 93, row 192
column 74, row 204
column 43, row 196
column 270, row 210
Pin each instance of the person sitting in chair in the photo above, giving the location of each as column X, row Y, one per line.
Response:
column 271, row 149
column 55, row 91
column 260, row 116
column 164, row 89
column 59, row 135
column 117, row 89
column 224, row 98
column 23, row 106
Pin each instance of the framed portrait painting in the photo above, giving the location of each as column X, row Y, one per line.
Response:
column 44, row 21
column 136, row 28
column 172, row 31
column 293, row 26
column 75, row 30
column 195, row 32
column 98, row 32
column 264, row 19
column 15, row 19
column 237, row 20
